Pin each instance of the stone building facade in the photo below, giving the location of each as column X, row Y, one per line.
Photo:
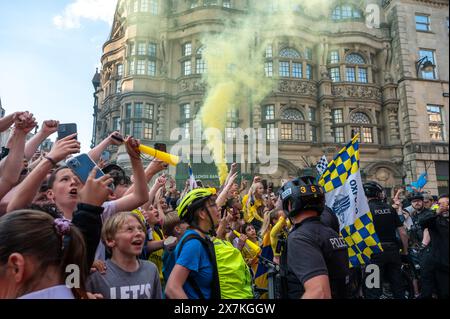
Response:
column 335, row 75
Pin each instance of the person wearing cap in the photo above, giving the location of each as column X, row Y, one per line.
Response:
column 315, row 262
column 427, row 201
column 195, row 275
column 419, row 238
column 386, row 222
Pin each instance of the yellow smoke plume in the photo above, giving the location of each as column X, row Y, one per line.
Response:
column 235, row 58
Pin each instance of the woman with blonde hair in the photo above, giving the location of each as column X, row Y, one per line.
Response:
column 253, row 204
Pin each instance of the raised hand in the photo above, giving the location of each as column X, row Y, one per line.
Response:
column 232, row 178
column 157, row 166
column 96, row 191
column 115, row 138
column 25, row 122
column 132, row 146
column 49, row 127
column 64, row 147
column 161, row 181
column 256, row 179
column 233, row 168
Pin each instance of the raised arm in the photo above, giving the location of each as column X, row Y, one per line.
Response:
column 223, row 196
column 224, row 222
column 233, row 170
column 139, row 195
column 13, row 163
column 151, row 170
column 159, row 183
column 30, row 185
column 48, row 128
column 97, row 151
column 7, row 121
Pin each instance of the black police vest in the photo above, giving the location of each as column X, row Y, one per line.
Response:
column 385, row 220
column 334, row 251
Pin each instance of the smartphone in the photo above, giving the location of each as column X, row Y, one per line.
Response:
column 65, row 130
column 118, row 138
column 161, row 147
column 82, row 165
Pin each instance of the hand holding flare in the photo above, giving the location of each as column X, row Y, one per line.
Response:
column 165, row 157
column 250, row 244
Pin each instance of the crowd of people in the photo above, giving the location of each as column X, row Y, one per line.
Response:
column 139, row 237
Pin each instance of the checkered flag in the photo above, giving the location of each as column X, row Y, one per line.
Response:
column 322, row 165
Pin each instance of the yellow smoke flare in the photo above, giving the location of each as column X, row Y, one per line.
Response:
column 235, row 58
column 165, row 157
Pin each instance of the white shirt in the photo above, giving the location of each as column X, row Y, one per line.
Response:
column 56, row 292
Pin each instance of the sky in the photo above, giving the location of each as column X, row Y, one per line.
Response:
column 49, row 50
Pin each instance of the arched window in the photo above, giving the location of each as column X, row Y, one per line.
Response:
column 346, row 12
column 290, row 53
column 364, row 126
column 290, row 64
column 200, row 63
column 360, row 118
column 356, row 68
column 355, row 58
column 292, row 130
column 293, row 115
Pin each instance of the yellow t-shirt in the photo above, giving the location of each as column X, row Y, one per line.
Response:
column 276, row 230
column 251, row 212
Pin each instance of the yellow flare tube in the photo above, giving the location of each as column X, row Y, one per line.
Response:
column 165, row 157
column 249, row 243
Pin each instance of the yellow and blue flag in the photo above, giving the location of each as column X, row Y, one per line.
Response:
column 192, row 181
column 344, row 194
column 261, row 271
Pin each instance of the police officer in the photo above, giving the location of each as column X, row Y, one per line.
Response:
column 316, row 258
column 386, row 222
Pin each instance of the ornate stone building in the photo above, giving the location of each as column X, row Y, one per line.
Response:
column 336, row 75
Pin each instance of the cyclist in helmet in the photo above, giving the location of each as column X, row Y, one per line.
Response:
column 316, row 257
column 386, row 222
column 194, row 275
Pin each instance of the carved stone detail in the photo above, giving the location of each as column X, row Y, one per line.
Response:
column 357, row 91
column 298, row 87
column 187, row 85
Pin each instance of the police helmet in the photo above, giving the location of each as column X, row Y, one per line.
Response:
column 373, row 190
column 302, row 193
